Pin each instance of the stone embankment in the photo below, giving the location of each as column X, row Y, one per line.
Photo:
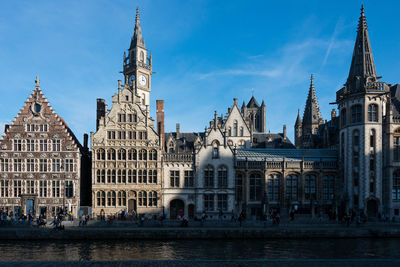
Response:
column 173, row 233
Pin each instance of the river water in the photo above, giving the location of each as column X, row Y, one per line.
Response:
column 201, row 249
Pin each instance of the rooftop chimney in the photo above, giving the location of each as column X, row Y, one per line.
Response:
column 177, row 130
column 284, row 131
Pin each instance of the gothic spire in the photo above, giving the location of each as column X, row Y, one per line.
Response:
column 362, row 63
column 298, row 119
column 311, row 112
column 137, row 39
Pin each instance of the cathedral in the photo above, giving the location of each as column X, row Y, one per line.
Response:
column 349, row 162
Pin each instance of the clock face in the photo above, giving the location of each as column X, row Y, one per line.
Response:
column 131, row 79
column 142, row 80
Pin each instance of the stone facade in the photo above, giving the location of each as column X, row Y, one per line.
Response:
column 40, row 162
column 126, row 161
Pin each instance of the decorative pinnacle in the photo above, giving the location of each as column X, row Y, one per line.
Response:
column 37, row 81
column 137, row 14
column 362, row 10
column 312, row 80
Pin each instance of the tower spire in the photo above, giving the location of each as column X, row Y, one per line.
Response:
column 312, row 115
column 362, row 63
column 137, row 39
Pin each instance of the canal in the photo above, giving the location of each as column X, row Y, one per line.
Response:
column 201, row 249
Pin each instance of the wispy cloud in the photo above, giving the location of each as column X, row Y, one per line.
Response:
column 266, row 73
column 338, row 27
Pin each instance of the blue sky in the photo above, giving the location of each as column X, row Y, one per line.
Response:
column 205, row 53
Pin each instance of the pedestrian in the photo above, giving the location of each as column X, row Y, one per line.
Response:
column 291, row 214
column 203, row 218
column 220, row 214
column 233, row 217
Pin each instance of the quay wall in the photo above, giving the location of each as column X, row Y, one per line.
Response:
column 75, row 233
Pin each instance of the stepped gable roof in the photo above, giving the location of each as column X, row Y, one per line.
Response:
column 256, row 154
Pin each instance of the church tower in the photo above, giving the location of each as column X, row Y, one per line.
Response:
column 361, row 103
column 137, row 65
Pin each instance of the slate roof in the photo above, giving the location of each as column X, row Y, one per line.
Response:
column 253, row 103
column 256, row 154
column 272, row 140
column 395, row 94
column 185, row 143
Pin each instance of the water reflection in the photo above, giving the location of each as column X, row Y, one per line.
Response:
column 200, row 249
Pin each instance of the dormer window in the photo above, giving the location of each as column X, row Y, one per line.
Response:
column 215, row 147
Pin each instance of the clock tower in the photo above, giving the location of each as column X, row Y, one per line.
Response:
column 137, row 66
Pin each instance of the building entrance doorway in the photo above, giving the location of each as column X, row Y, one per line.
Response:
column 132, row 206
column 176, row 207
column 43, row 211
column 191, row 211
column 372, row 208
column 29, row 206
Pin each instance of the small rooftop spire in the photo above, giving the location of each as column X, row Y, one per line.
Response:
column 137, row 39
column 311, row 114
column 298, row 119
column 37, row 81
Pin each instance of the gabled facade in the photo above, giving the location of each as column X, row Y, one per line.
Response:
column 40, row 162
column 126, row 162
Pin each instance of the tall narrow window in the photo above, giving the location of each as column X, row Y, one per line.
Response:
column 343, row 119
column 396, row 148
column 209, row 176
column 235, row 128
column 222, row 176
column 329, row 187
column 222, row 202
column 189, row 179
column 396, row 185
column 373, row 112
column 273, row 186
column 69, row 189
column 310, row 187
column 291, row 187
column 239, row 187
column 356, row 147
column 215, row 152
column 356, row 113
column 255, row 187
column 208, row 202
column 174, row 178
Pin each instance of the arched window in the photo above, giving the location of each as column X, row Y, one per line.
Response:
column 222, row 176
column 119, row 176
column 273, row 186
column 255, row 187
column 329, row 187
column 121, row 154
column 101, row 154
column 291, row 186
column 343, row 119
column 153, row 155
column 310, row 187
column 109, row 199
column 356, row 145
column 142, row 154
column 123, row 198
column 215, row 147
column 98, row 198
column 119, row 198
column 123, row 176
column 229, row 131
column 113, row 180
column 171, row 148
column 209, row 176
column 356, row 113
column 235, row 128
column 114, row 198
column 153, row 199
column 142, row 197
column 141, row 56
column 111, row 154
column 98, row 176
column 238, row 187
column 373, row 112
column 108, row 176
column 241, row 131
column 132, row 154
column 396, row 185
